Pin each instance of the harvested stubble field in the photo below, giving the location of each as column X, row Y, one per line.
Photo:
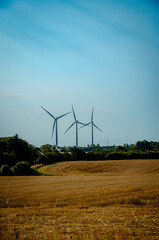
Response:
column 83, row 200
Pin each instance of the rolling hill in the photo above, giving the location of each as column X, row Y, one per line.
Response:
column 113, row 167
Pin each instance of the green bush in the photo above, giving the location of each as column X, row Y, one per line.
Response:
column 42, row 159
column 22, row 168
column 66, row 156
column 92, row 155
column 77, row 154
column 8, row 158
column 6, row 171
column 54, row 156
column 116, row 155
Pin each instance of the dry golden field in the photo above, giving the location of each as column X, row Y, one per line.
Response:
column 102, row 200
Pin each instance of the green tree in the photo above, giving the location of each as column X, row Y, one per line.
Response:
column 46, row 148
column 143, row 145
column 15, row 150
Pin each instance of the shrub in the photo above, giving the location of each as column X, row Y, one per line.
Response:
column 116, row 155
column 6, row 171
column 42, row 159
column 94, row 156
column 22, row 168
column 8, row 158
column 54, row 156
column 77, row 154
column 66, row 156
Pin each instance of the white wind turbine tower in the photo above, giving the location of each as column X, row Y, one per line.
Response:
column 75, row 122
column 92, row 125
column 55, row 124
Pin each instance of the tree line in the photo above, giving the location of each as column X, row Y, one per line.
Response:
column 17, row 155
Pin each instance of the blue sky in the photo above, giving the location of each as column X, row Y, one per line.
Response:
column 87, row 53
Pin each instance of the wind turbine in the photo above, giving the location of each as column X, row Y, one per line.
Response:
column 92, row 125
column 55, row 124
column 75, row 122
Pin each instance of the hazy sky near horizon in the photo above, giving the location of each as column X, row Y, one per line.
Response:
column 101, row 53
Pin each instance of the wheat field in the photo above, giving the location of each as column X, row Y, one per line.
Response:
column 94, row 200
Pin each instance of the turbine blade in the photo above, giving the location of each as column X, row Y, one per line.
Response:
column 70, row 127
column 53, row 127
column 48, row 112
column 73, row 113
column 85, row 125
column 81, row 123
column 92, row 114
column 64, row 115
column 97, row 127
